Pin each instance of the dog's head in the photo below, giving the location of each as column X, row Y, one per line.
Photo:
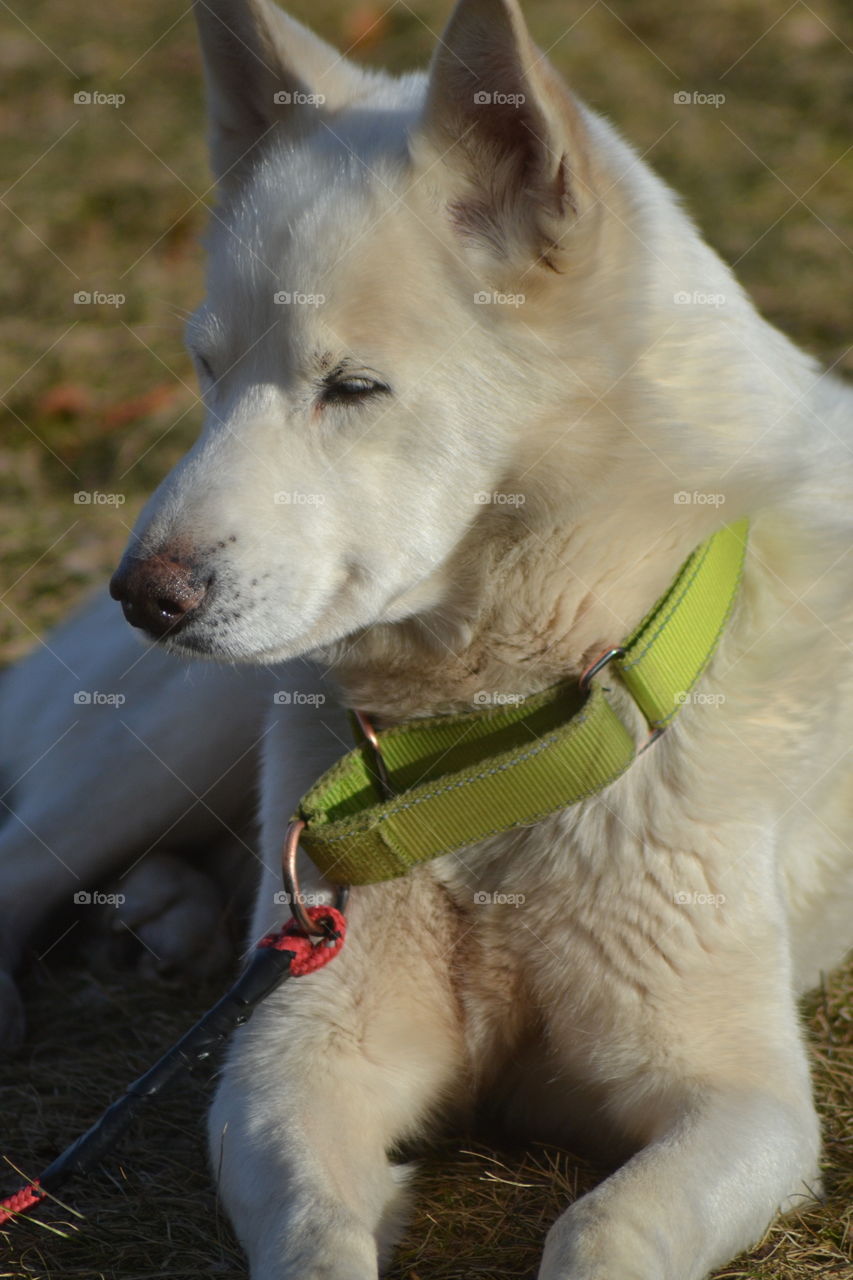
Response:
column 370, row 350
column 406, row 316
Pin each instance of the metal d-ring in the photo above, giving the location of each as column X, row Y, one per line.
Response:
column 294, row 831
column 598, row 665
column 382, row 777
column 314, row 928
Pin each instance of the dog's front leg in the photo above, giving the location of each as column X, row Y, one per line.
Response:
column 334, row 1071
column 715, row 1084
column 695, row 1198
column 336, row 1067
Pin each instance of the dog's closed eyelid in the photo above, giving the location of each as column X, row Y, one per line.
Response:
column 353, row 388
column 204, row 365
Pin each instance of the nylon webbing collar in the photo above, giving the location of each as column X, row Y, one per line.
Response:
column 458, row 779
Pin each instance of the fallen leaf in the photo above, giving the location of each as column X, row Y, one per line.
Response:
column 65, row 400
column 124, row 411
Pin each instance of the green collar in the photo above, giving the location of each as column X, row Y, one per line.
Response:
column 458, row 779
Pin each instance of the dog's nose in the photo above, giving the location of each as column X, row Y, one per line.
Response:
column 157, row 592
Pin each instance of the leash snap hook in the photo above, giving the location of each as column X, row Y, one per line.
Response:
column 295, row 898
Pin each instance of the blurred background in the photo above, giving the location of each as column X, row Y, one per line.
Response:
column 745, row 106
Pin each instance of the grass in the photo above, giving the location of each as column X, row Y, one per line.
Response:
column 103, row 398
column 480, row 1211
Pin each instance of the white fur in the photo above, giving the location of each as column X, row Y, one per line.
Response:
column 647, row 998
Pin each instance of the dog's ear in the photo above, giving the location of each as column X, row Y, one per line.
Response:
column 264, row 70
column 503, row 135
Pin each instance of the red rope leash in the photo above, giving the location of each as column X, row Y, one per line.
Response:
column 307, row 955
column 20, row 1202
column 261, row 976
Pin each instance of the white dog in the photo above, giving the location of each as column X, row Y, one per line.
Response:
column 463, row 429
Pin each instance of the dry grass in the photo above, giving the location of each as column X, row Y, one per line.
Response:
column 101, row 398
column 480, row 1211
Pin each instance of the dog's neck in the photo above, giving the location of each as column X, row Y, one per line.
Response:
column 523, row 608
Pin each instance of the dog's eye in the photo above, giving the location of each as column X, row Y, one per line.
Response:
column 204, row 366
column 352, row 389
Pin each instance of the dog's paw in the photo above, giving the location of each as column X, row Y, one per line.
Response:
column 11, row 1015
column 165, row 917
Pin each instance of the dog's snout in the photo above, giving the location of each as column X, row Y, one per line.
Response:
column 158, row 593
